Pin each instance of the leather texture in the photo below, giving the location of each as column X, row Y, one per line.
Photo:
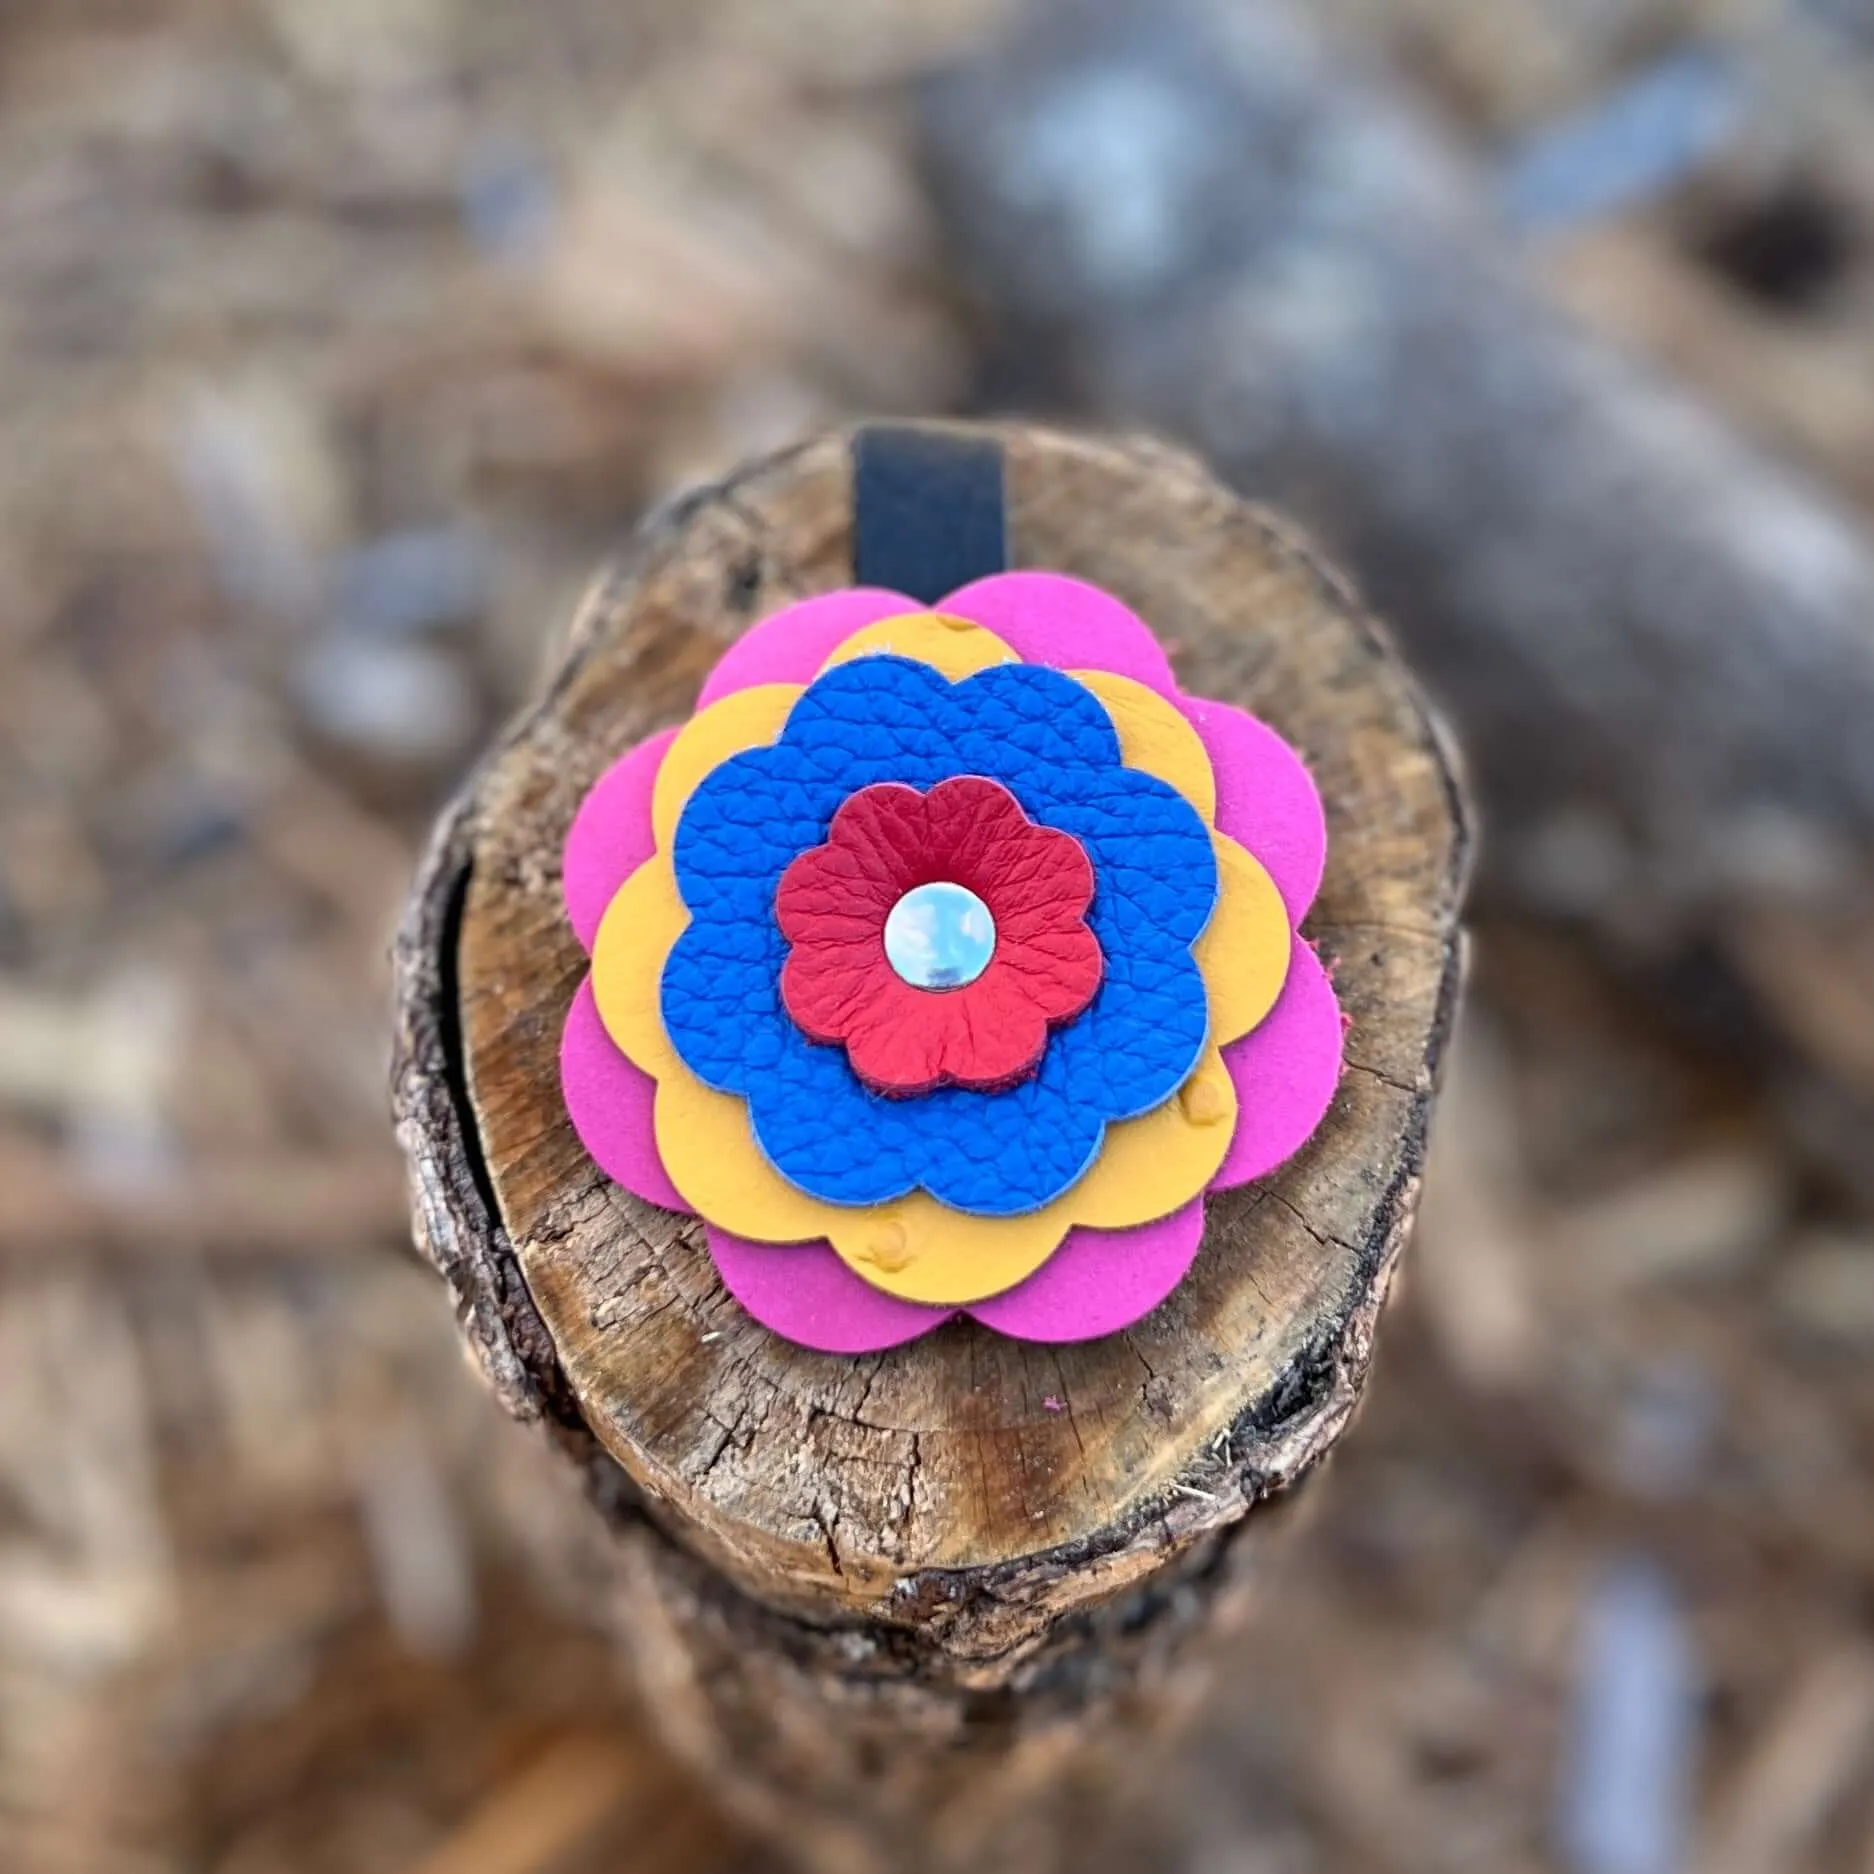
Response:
column 834, row 902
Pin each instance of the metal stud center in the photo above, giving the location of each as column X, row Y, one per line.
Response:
column 939, row 936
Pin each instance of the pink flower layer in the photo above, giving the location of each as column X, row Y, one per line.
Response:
column 1285, row 1070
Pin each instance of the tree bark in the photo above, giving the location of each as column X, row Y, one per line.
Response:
column 908, row 1610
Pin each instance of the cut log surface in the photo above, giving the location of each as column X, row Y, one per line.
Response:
column 827, row 1554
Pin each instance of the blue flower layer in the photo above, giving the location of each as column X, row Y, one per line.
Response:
column 1046, row 739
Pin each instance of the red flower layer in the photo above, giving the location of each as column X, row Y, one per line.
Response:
column 888, row 839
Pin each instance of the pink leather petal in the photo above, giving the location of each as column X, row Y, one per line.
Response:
column 609, row 1101
column 790, row 646
column 1266, row 799
column 804, row 1292
column 610, row 836
column 1049, row 618
column 1285, row 1073
column 1099, row 1281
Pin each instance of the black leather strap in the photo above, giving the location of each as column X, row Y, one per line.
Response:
column 928, row 510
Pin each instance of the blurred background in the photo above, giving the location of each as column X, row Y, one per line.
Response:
column 341, row 340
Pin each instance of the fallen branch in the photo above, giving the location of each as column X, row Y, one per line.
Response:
column 1658, row 644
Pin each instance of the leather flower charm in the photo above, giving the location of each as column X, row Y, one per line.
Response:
column 944, row 960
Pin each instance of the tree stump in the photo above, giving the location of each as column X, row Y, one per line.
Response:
column 905, row 1610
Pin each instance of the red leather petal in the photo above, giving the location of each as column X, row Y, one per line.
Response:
column 987, row 1036
column 828, row 988
column 898, row 1042
column 1050, row 899
column 884, row 829
column 824, row 897
column 971, row 819
column 843, row 890
column 1031, row 877
column 839, row 986
column 996, row 1032
column 1057, row 970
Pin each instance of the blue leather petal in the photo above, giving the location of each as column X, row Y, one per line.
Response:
column 1046, row 739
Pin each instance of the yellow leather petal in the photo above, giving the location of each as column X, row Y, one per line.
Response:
column 709, row 1150
column 744, row 719
column 1150, row 1166
column 1156, row 736
column 920, row 1250
column 953, row 646
column 644, row 918
column 1245, row 948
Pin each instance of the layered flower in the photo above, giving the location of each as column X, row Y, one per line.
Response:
column 944, row 959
